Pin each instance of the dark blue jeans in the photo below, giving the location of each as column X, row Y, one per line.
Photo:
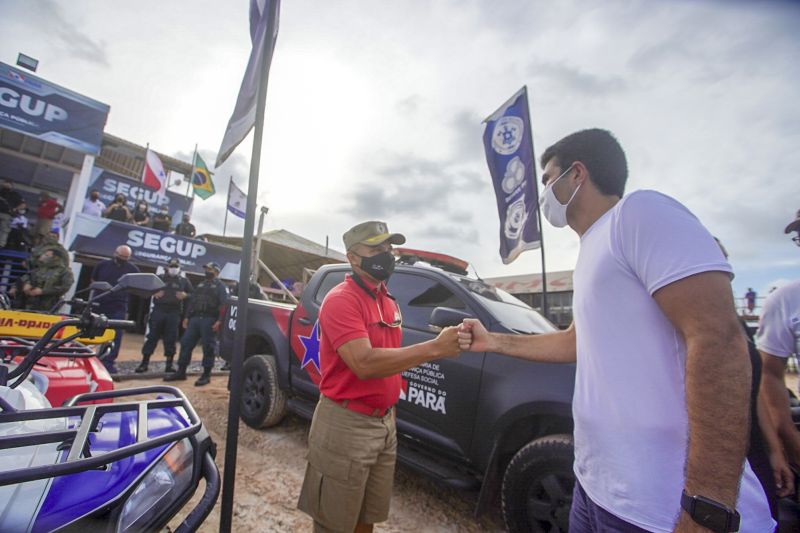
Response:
column 199, row 328
column 163, row 325
column 587, row 517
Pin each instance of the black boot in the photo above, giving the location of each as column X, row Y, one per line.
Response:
column 205, row 379
column 143, row 365
column 180, row 375
column 168, row 368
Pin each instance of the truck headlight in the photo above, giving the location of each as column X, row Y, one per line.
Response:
column 159, row 488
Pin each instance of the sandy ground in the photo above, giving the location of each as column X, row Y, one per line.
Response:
column 270, row 466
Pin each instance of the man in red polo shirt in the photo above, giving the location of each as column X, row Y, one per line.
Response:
column 353, row 442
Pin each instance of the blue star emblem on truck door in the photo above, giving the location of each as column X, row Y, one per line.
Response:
column 311, row 347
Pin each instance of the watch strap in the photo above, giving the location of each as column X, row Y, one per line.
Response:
column 732, row 520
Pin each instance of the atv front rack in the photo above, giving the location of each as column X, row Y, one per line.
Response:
column 79, row 458
column 11, row 347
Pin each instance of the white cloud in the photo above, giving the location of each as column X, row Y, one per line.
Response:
column 382, row 101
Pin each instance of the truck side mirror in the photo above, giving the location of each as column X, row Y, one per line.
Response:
column 443, row 317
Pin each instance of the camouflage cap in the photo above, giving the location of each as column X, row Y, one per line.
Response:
column 371, row 233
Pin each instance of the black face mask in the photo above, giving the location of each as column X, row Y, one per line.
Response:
column 209, row 275
column 378, row 266
column 119, row 261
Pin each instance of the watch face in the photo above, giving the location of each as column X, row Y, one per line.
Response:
column 710, row 515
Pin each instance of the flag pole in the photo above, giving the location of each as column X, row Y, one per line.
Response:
column 227, row 203
column 235, row 383
column 144, row 170
column 191, row 174
column 538, row 210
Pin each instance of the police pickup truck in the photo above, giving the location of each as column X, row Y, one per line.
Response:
column 479, row 421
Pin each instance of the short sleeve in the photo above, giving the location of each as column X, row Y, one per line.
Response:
column 341, row 319
column 662, row 242
column 775, row 334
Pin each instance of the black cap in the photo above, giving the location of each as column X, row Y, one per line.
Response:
column 174, row 262
column 213, row 266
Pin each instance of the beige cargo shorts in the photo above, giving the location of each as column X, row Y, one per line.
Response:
column 350, row 470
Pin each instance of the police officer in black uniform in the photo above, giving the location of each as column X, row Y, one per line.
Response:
column 204, row 313
column 165, row 316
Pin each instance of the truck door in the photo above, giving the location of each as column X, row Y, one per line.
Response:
column 439, row 399
column 304, row 332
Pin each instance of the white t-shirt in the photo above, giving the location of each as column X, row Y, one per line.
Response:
column 779, row 328
column 631, row 423
column 95, row 207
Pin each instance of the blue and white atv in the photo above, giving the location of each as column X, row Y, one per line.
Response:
column 130, row 465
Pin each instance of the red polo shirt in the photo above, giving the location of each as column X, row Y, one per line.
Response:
column 349, row 312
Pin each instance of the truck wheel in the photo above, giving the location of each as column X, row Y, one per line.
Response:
column 537, row 486
column 263, row 402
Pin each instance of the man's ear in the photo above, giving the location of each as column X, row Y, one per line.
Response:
column 581, row 172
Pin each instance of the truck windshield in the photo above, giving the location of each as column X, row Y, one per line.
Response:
column 509, row 311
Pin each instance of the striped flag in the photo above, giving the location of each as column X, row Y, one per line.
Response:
column 154, row 176
column 244, row 113
column 202, row 183
column 237, row 201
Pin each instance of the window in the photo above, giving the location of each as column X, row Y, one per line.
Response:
column 331, row 280
column 418, row 296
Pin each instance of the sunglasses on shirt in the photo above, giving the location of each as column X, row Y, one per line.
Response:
column 396, row 323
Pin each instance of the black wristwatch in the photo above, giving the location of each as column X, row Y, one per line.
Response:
column 710, row 514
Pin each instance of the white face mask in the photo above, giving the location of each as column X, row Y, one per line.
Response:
column 173, row 271
column 554, row 211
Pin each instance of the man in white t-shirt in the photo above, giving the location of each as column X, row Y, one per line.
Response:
column 661, row 404
column 778, row 338
column 93, row 205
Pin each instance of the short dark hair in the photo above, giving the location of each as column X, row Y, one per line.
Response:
column 599, row 151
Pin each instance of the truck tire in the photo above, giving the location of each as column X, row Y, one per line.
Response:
column 537, row 486
column 263, row 402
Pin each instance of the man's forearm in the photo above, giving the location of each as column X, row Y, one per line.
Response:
column 718, row 375
column 384, row 362
column 556, row 347
column 774, row 395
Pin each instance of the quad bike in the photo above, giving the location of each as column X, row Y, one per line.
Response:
column 69, row 369
column 129, row 465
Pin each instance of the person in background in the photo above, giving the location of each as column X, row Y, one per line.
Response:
column 750, row 298
column 9, row 201
column 204, row 314
column 47, row 209
column 165, row 316
column 114, row 305
column 93, row 205
column 778, row 341
column 118, row 210
column 19, row 238
column 141, row 215
column 185, row 228
column 49, row 242
column 47, row 283
column 59, row 221
column 162, row 221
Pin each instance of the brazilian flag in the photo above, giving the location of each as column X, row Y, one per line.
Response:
column 201, row 179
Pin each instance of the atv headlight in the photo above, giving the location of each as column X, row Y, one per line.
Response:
column 159, row 488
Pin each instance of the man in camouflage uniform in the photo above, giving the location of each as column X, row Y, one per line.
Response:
column 46, row 283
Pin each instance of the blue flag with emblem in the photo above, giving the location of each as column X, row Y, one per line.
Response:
column 508, row 143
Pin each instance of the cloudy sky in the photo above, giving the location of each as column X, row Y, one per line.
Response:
column 375, row 107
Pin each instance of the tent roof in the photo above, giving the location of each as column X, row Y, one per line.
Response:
column 286, row 253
